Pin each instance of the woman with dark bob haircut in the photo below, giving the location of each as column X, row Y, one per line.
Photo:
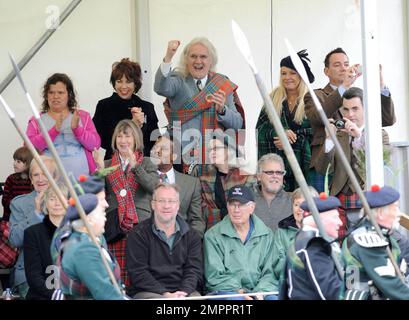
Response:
column 126, row 79
column 70, row 128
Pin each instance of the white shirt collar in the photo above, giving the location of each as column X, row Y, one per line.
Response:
column 203, row 81
column 124, row 163
column 170, row 175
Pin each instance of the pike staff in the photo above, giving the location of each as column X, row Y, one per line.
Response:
column 243, row 45
column 347, row 166
column 64, row 173
column 35, row 154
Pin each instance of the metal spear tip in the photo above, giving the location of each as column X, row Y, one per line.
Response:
column 17, row 71
column 243, row 45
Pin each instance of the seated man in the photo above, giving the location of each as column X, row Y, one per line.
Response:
column 364, row 251
column 238, row 250
column 163, row 254
column 190, row 208
column 273, row 203
column 310, row 271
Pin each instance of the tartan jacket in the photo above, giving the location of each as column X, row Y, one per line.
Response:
column 234, row 177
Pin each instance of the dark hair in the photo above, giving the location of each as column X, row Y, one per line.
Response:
column 131, row 70
column 354, row 92
column 328, row 56
column 59, row 77
column 24, row 155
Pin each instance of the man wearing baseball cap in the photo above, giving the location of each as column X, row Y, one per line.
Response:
column 369, row 271
column 238, row 250
column 310, row 272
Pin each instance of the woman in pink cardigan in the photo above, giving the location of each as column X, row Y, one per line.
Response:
column 71, row 129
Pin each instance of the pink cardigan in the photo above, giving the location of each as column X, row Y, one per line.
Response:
column 87, row 135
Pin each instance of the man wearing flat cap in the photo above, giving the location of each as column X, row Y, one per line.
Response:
column 369, row 271
column 238, row 250
column 82, row 272
column 310, row 270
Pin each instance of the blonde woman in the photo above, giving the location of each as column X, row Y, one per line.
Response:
column 288, row 100
column 129, row 188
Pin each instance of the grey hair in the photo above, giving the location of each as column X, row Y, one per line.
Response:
column 52, row 168
column 298, row 193
column 269, row 157
column 166, row 186
column 182, row 69
column 49, row 193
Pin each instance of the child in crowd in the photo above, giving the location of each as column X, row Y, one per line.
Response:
column 19, row 182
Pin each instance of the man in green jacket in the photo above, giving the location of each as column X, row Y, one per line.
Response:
column 238, row 250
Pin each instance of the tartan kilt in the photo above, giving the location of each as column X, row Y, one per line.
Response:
column 347, row 202
column 8, row 254
column 118, row 250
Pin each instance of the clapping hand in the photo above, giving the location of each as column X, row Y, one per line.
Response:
column 138, row 116
column 351, row 74
column 38, row 200
column 218, row 98
column 98, row 159
column 59, row 121
column 132, row 158
column 75, row 118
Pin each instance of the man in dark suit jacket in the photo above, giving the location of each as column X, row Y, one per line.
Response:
column 190, row 191
column 341, row 77
column 351, row 139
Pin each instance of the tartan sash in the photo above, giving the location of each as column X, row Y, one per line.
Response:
column 199, row 105
column 8, row 254
column 128, row 216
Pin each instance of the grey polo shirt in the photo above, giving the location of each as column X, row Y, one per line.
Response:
column 271, row 214
column 162, row 235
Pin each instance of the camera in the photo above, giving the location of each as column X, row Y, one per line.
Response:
column 339, row 124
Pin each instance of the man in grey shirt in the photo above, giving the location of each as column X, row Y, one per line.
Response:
column 272, row 203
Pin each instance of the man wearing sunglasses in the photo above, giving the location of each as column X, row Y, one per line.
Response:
column 272, row 203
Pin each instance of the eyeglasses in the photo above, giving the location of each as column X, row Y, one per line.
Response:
column 162, row 202
column 273, row 172
column 239, row 205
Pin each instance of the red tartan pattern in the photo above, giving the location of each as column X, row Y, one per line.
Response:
column 199, row 105
column 8, row 254
column 14, row 186
column 208, row 179
column 347, row 202
column 118, row 250
column 128, row 216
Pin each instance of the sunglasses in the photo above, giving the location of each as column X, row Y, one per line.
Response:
column 272, row 172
